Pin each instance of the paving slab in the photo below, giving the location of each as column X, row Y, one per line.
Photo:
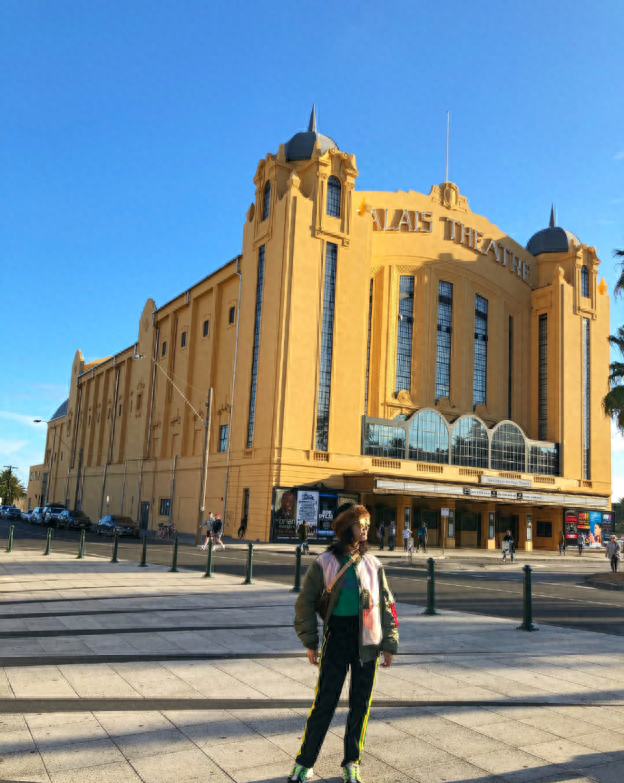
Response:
column 492, row 705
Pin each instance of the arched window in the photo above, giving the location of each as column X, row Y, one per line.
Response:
column 334, row 189
column 428, row 437
column 266, row 202
column 584, row 281
column 470, row 443
column 508, row 448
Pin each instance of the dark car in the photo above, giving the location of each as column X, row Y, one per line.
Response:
column 27, row 515
column 13, row 513
column 73, row 520
column 37, row 515
column 111, row 524
column 52, row 514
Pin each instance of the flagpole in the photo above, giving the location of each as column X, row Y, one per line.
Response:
column 447, row 143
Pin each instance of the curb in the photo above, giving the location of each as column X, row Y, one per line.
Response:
column 596, row 581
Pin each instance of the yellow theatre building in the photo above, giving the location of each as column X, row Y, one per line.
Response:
column 392, row 347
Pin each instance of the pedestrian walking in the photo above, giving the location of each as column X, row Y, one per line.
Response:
column 392, row 531
column 508, row 546
column 242, row 530
column 580, row 542
column 217, row 531
column 359, row 625
column 209, row 522
column 562, row 543
column 381, row 532
column 406, row 537
column 423, row 537
column 304, row 531
column 613, row 553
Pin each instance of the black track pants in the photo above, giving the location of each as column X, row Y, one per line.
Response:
column 340, row 651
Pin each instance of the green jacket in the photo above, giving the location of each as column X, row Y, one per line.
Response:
column 306, row 619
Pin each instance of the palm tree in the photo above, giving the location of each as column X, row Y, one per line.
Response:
column 619, row 286
column 11, row 488
column 613, row 402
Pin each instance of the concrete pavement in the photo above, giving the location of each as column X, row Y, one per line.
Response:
column 117, row 673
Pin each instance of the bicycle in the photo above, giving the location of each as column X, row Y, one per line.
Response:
column 166, row 531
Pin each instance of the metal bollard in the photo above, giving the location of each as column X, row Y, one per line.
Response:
column 249, row 580
column 10, row 544
column 143, row 563
column 527, row 603
column 115, row 548
column 81, row 547
column 430, row 588
column 47, row 549
column 297, row 587
column 208, row 574
column 174, row 560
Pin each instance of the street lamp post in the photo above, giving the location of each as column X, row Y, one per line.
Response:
column 202, row 491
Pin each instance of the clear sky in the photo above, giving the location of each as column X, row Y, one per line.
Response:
column 130, row 133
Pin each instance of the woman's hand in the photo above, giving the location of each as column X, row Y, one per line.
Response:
column 313, row 657
column 387, row 659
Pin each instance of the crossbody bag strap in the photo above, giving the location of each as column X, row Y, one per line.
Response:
column 341, row 572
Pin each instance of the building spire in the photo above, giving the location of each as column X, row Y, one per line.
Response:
column 312, row 123
column 553, row 219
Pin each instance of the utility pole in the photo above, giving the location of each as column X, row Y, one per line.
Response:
column 204, row 472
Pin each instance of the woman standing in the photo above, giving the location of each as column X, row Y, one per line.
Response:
column 359, row 624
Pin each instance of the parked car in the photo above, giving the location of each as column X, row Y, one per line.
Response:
column 27, row 515
column 36, row 518
column 111, row 524
column 3, row 510
column 13, row 512
column 52, row 514
column 73, row 520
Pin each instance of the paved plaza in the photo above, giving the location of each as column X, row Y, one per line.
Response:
column 115, row 673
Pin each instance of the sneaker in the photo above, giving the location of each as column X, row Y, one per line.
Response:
column 351, row 772
column 300, row 774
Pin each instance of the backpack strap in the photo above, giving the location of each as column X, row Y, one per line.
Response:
column 351, row 560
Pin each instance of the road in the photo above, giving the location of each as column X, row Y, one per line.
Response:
column 560, row 596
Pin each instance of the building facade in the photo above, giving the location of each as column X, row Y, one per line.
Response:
column 389, row 346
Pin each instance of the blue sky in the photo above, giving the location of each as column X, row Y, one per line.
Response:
column 131, row 132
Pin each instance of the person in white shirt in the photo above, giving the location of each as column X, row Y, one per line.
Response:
column 406, row 537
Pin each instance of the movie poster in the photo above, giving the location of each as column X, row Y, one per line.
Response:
column 595, row 527
column 284, row 515
column 583, row 525
column 571, row 521
column 308, row 508
column 327, row 508
column 608, row 525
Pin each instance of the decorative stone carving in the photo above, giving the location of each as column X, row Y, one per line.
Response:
column 404, row 397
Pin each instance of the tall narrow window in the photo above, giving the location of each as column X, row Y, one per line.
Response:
column 223, row 437
column 584, row 281
column 404, row 334
column 256, row 347
column 445, row 328
column 368, row 344
column 266, row 201
column 542, row 378
column 334, row 190
column 510, row 368
column 480, row 351
column 327, row 345
column 586, row 402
